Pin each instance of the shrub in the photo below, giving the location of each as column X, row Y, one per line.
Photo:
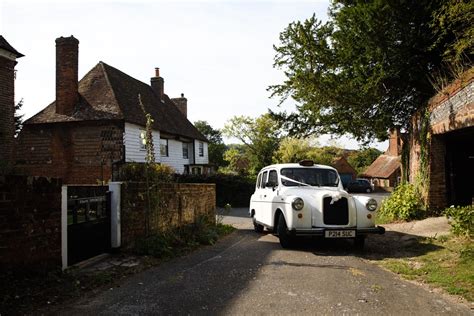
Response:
column 138, row 172
column 180, row 240
column 461, row 220
column 403, row 204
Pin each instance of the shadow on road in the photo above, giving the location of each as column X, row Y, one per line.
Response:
column 377, row 247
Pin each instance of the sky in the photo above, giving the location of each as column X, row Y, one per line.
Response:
column 219, row 53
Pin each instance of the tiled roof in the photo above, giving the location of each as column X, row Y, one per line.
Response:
column 383, row 167
column 108, row 93
column 6, row 46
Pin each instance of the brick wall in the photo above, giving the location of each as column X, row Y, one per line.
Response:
column 76, row 152
column 30, row 222
column 172, row 205
column 450, row 110
column 7, row 110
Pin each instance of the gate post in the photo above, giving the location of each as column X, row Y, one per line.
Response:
column 115, row 228
column 64, row 226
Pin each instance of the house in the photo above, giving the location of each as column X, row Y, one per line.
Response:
column 97, row 124
column 8, row 56
column 448, row 145
column 385, row 171
column 345, row 170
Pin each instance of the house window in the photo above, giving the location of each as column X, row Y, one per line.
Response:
column 196, row 170
column 201, row 149
column 164, row 147
column 142, row 140
column 185, row 151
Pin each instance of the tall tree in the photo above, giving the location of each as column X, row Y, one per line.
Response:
column 216, row 145
column 363, row 158
column 260, row 137
column 362, row 72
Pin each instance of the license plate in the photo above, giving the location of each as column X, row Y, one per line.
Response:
column 339, row 233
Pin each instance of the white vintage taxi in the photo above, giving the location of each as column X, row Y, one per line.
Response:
column 305, row 199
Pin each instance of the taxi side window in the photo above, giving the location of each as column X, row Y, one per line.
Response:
column 264, row 179
column 259, row 180
column 273, row 178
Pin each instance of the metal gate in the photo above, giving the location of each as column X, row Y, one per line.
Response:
column 88, row 219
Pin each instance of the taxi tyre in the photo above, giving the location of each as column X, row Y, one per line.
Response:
column 286, row 240
column 256, row 226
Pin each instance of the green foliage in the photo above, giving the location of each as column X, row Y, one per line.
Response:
column 260, row 137
column 452, row 24
column 362, row 72
column 292, row 150
column 181, row 240
column 216, row 147
column 237, row 161
column 325, row 155
column 230, row 189
column 361, row 159
column 137, row 172
column 403, row 204
column 461, row 220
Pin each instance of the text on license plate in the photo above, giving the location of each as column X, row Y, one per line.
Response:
column 339, row 233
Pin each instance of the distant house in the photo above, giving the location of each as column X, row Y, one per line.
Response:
column 385, row 171
column 97, row 124
column 345, row 170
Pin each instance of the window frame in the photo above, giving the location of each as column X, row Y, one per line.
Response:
column 185, row 150
column 201, row 149
column 164, row 145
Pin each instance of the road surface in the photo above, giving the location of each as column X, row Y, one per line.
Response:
column 250, row 274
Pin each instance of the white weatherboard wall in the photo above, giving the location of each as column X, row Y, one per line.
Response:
column 175, row 155
column 204, row 159
column 133, row 150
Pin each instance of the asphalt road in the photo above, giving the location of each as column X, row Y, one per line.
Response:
column 249, row 273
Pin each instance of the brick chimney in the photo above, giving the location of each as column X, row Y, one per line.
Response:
column 157, row 84
column 181, row 104
column 8, row 56
column 395, row 143
column 67, row 62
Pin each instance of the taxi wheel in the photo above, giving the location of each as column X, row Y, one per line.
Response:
column 256, row 226
column 286, row 240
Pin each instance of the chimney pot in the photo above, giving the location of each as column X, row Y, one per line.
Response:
column 182, row 95
column 157, row 72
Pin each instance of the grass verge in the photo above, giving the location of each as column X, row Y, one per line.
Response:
column 450, row 265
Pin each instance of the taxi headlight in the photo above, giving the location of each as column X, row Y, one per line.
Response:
column 371, row 205
column 297, row 204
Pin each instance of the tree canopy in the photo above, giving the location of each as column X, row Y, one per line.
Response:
column 365, row 70
column 260, row 137
column 216, row 146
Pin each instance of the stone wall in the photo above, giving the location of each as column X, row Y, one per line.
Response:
column 171, row 205
column 30, row 222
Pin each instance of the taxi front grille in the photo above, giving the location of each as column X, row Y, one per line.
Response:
column 336, row 213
